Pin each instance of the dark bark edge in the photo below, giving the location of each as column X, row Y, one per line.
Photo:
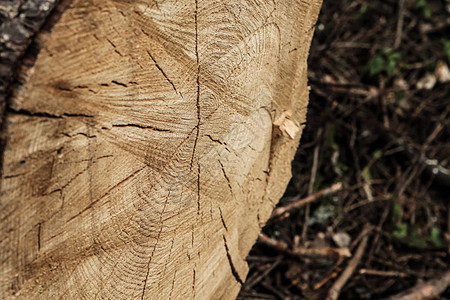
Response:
column 22, row 22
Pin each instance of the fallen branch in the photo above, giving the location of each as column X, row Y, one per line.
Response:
column 331, row 274
column 426, row 290
column 399, row 31
column 335, row 290
column 302, row 251
column 382, row 273
column 279, row 211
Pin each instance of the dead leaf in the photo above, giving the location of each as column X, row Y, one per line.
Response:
column 427, row 82
column 341, row 239
column 442, row 72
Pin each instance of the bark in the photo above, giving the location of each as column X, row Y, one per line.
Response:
column 141, row 158
column 19, row 21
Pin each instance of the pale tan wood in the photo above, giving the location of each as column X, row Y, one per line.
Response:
column 141, row 159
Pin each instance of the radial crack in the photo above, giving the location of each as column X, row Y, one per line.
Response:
column 156, row 244
column 226, row 177
column 230, row 261
column 198, row 109
column 142, row 127
column 44, row 114
column 198, row 188
column 223, row 221
column 164, row 74
column 39, row 236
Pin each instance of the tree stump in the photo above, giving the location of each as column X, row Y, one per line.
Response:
column 147, row 144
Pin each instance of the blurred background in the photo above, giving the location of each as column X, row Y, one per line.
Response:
column 367, row 212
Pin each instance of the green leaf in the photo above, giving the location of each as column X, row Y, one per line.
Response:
column 424, row 7
column 435, row 237
column 446, row 44
column 376, row 65
column 392, row 62
column 401, row 231
column 386, row 51
column 377, row 154
column 415, row 239
column 391, row 66
column 365, row 8
column 386, row 60
column 343, row 167
column 396, row 212
column 365, row 173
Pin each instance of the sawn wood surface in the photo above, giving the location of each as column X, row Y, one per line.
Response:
column 142, row 158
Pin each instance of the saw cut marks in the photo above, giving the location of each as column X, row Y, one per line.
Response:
column 140, row 148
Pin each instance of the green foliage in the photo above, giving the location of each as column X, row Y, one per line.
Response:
column 423, row 6
column 396, row 212
column 411, row 234
column 400, row 231
column 385, row 61
column 376, row 65
column 343, row 167
column 415, row 237
column 377, row 154
column 330, row 141
column 435, row 237
column 446, row 44
column 365, row 8
column 365, row 173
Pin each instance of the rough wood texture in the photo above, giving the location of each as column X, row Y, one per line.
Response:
column 141, row 160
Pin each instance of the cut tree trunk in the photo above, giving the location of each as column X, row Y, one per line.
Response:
column 147, row 144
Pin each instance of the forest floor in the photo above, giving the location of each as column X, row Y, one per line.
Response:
column 378, row 131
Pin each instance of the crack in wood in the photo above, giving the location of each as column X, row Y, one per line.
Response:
column 164, row 74
column 114, row 46
column 226, row 177
column 173, row 284
column 106, row 194
column 28, row 113
column 142, row 127
column 198, row 108
column 223, row 220
column 61, row 188
column 39, row 236
column 119, row 83
column 156, row 244
column 198, row 188
column 193, row 283
column 79, row 173
column 230, row 261
column 79, row 133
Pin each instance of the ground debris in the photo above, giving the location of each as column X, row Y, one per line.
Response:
column 377, row 129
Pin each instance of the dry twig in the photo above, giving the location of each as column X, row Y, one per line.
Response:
column 335, row 290
column 250, row 283
column 279, row 211
column 382, row 273
column 302, row 251
column 426, row 290
column 399, row 31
